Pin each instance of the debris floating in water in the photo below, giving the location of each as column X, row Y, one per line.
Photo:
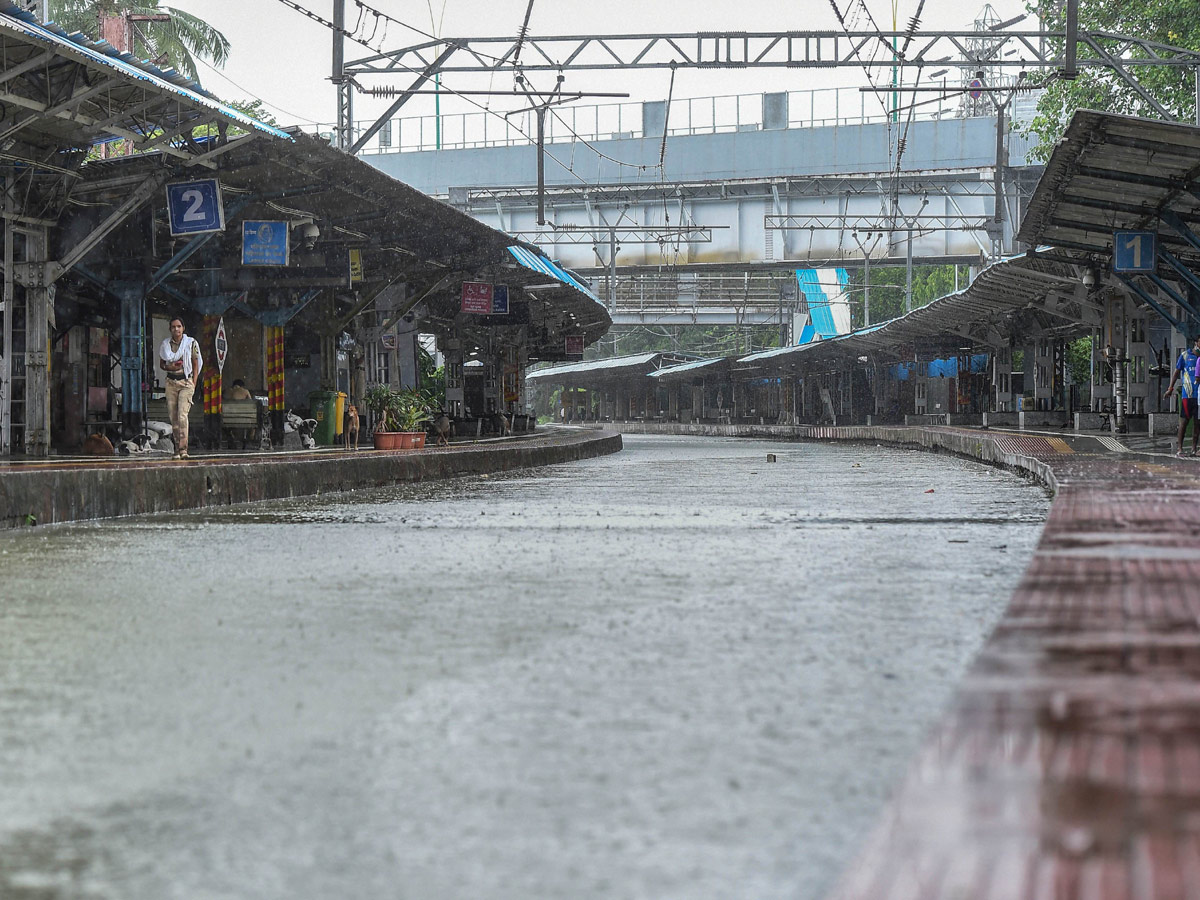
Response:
column 770, row 457
column 930, row 491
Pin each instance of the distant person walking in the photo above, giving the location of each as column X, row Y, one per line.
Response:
column 1185, row 375
column 179, row 356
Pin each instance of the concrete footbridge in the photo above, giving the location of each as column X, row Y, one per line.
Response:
column 702, row 214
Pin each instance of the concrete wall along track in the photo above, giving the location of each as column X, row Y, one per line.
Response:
column 976, row 445
column 101, row 489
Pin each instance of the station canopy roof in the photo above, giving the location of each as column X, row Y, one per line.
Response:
column 1027, row 293
column 612, row 367
column 65, row 91
column 690, row 369
column 403, row 235
column 1118, row 173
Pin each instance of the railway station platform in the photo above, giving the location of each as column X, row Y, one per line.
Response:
column 72, row 489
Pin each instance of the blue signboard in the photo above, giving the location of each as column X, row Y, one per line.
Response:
column 500, row 300
column 194, row 207
column 1134, row 251
column 264, row 243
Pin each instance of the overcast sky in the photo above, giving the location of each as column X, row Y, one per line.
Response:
column 284, row 58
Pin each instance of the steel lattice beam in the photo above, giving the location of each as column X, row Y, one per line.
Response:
column 900, row 222
column 787, row 50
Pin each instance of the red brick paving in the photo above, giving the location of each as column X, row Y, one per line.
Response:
column 1068, row 765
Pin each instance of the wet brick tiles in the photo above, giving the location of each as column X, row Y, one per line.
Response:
column 1068, row 765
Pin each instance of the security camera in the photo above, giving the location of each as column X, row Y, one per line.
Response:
column 309, row 234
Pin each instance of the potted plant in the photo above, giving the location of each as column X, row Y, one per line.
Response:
column 410, row 412
column 380, row 400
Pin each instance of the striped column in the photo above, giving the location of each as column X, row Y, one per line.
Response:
column 212, row 372
column 274, row 340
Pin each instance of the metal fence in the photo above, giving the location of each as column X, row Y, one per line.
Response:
column 632, row 120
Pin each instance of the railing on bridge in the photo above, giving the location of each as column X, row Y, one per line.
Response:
column 615, row 121
column 673, row 291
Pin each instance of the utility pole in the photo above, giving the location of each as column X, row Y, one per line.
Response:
column 343, row 134
column 866, row 288
column 612, row 271
column 908, row 275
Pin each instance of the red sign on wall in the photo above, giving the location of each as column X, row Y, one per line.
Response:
column 573, row 346
column 476, row 297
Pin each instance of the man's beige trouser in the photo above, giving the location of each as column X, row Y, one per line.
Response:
column 179, row 404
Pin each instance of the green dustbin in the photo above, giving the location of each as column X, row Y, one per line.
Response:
column 322, row 406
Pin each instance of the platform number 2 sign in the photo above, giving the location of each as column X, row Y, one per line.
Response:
column 194, row 207
column 1134, row 251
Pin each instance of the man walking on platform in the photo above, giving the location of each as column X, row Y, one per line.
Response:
column 1185, row 374
column 179, row 357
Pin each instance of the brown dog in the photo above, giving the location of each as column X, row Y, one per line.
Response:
column 441, row 425
column 351, row 432
column 97, row 445
column 500, row 422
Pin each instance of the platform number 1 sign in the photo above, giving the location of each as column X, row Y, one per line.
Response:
column 1134, row 251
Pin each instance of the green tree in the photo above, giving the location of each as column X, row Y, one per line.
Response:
column 888, row 290
column 1170, row 22
column 1079, row 364
column 178, row 41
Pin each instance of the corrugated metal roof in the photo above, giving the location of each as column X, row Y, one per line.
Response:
column 1116, row 173
column 548, row 267
column 609, row 366
column 984, row 310
column 689, row 367
column 399, row 230
column 17, row 26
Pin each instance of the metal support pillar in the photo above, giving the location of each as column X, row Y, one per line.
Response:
column 612, row 271
column 39, row 306
column 866, row 288
column 1070, row 69
column 1120, row 388
column 6, row 348
column 1001, row 164
column 541, row 164
column 328, row 344
column 133, row 352
column 343, row 137
column 908, row 275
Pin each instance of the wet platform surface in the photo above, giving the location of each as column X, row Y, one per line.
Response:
column 1068, row 765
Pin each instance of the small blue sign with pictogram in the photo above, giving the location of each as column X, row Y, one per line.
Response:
column 264, row 243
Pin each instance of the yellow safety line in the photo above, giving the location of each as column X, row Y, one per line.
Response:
column 1060, row 445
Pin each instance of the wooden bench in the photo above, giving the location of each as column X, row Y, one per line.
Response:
column 241, row 419
column 241, row 416
column 156, row 410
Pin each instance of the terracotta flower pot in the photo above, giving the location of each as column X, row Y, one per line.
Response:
column 418, row 440
column 387, row 440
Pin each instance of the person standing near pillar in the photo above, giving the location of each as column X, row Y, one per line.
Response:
column 179, row 356
column 1185, row 374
